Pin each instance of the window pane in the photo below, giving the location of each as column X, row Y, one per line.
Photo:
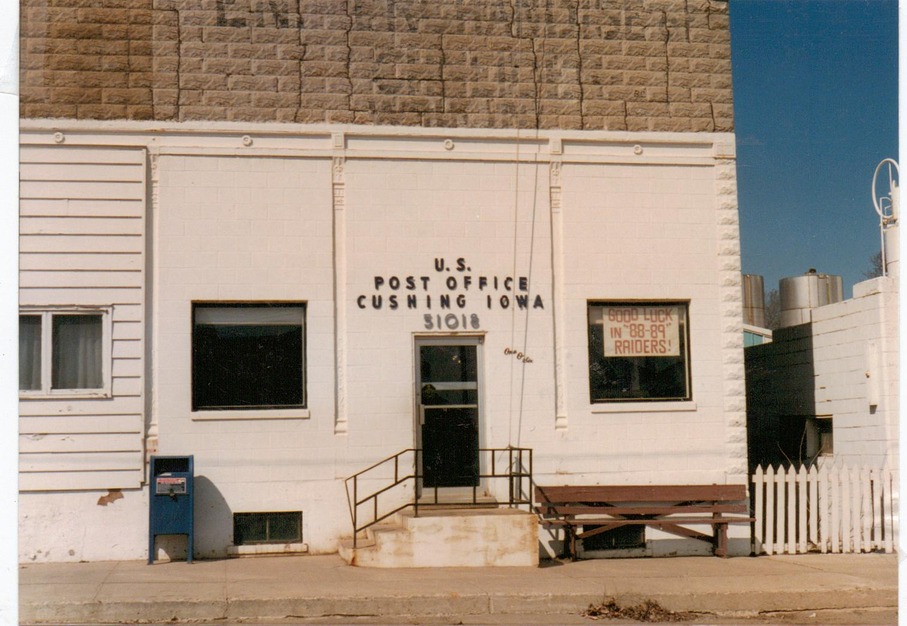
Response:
column 659, row 329
column 77, row 353
column 29, row 352
column 249, row 528
column 247, row 357
column 284, row 527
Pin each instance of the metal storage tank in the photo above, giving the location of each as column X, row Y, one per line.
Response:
column 801, row 294
column 753, row 300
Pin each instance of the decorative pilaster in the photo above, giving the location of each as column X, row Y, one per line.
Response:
column 338, row 198
column 557, row 282
column 151, row 220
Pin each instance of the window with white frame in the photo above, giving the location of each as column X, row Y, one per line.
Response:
column 638, row 351
column 64, row 352
column 248, row 356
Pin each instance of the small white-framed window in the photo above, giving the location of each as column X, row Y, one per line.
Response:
column 64, row 352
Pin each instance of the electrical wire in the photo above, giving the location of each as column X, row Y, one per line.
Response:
column 537, row 70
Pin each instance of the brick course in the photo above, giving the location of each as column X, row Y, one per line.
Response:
column 587, row 64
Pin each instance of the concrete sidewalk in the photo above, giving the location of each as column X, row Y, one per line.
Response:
column 310, row 587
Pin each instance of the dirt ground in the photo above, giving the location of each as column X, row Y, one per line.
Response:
column 852, row 617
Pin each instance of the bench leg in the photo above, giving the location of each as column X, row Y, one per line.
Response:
column 569, row 542
column 721, row 540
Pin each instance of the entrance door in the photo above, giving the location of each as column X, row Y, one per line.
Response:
column 447, row 386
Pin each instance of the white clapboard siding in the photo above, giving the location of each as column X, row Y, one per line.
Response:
column 109, row 460
column 129, row 313
column 127, row 386
column 128, row 423
column 38, row 207
column 71, row 442
column 51, row 244
column 65, row 407
column 82, row 243
column 128, row 367
column 127, row 348
column 63, row 155
column 83, row 190
column 84, row 261
column 122, row 469
column 74, row 279
column 80, row 225
column 828, row 509
column 76, row 297
column 127, row 329
column 78, row 172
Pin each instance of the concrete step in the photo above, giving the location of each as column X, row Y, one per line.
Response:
column 449, row 537
column 366, row 538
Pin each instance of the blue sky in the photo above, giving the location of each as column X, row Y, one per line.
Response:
column 815, row 106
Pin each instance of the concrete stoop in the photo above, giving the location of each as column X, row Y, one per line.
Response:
column 483, row 537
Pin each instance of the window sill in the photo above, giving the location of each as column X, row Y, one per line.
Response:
column 251, row 414
column 93, row 394
column 643, row 407
column 267, row 549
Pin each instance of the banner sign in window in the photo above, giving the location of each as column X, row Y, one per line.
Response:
column 634, row 331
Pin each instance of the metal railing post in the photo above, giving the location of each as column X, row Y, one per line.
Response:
column 510, row 476
column 355, row 510
column 416, row 466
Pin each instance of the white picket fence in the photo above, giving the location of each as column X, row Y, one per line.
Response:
column 828, row 509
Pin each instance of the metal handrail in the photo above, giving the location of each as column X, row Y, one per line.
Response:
column 516, row 472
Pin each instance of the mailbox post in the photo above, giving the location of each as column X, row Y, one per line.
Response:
column 171, row 501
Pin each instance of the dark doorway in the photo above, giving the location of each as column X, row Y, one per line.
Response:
column 448, row 411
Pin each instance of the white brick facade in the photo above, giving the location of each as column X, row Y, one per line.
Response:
column 332, row 217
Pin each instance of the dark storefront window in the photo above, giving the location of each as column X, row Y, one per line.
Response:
column 248, row 356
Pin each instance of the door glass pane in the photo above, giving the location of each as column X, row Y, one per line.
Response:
column 448, row 364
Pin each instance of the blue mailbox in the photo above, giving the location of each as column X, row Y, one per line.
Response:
column 172, row 496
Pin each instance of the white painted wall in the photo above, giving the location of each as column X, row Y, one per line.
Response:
column 844, row 365
column 56, row 526
column 856, row 373
column 234, row 228
column 315, row 214
column 636, row 232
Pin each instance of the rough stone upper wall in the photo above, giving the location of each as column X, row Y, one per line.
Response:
column 86, row 59
column 572, row 64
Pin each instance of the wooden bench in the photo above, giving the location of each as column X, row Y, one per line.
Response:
column 670, row 508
